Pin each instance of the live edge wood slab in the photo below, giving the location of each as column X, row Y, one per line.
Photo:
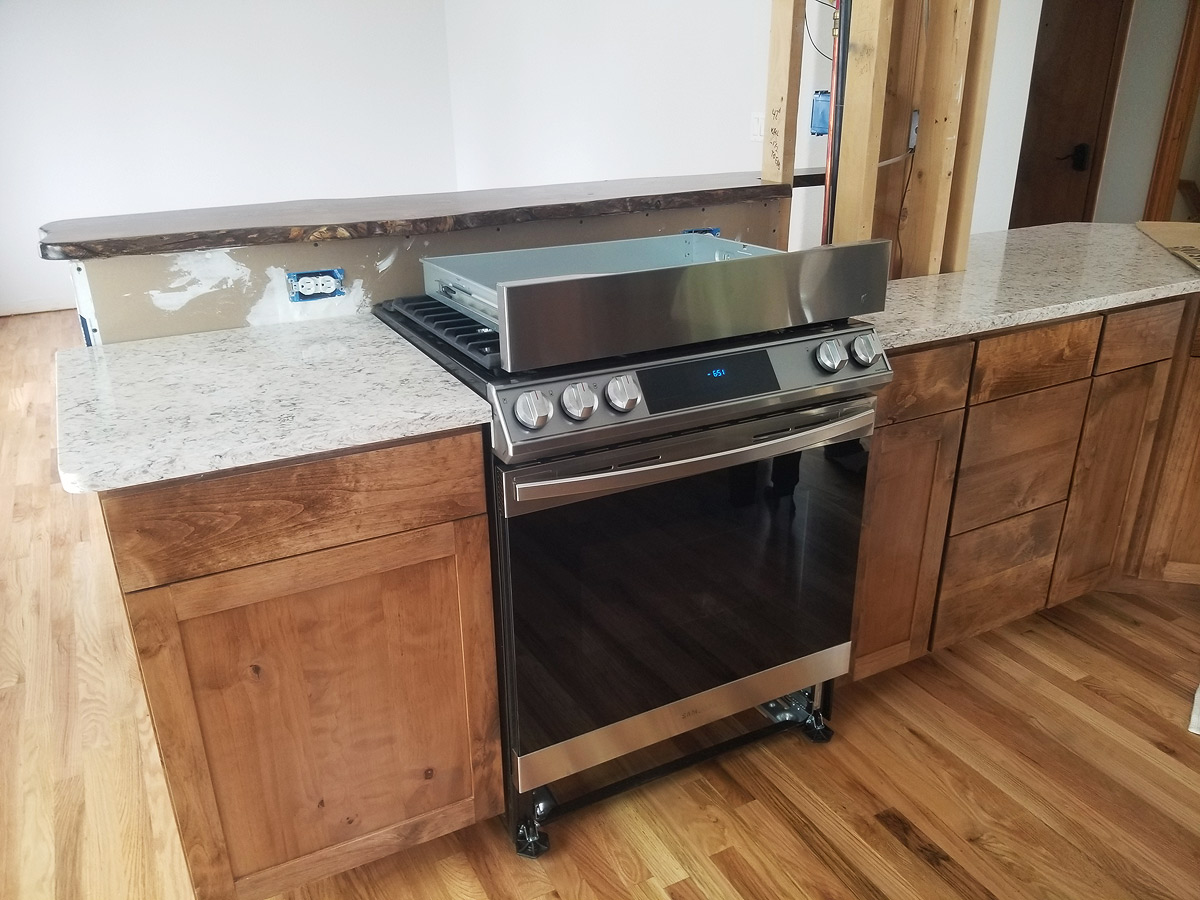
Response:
column 302, row 221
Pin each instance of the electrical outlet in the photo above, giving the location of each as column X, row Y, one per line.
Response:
column 912, row 129
column 316, row 285
column 757, row 122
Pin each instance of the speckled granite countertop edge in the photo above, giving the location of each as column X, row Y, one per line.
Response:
column 145, row 412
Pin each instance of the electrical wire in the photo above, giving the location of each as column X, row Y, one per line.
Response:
column 814, row 43
column 899, row 215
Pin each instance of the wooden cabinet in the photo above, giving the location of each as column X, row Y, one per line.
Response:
column 1018, row 454
column 907, row 503
column 1135, row 337
column 1021, row 361
column 324, row 694
column 926, row 382
column 1063, row 428
column 1114, row 449
column 995, row 574
column 1029, row 392
column 1172, row 550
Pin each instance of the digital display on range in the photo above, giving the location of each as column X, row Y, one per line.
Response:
column 678, row 386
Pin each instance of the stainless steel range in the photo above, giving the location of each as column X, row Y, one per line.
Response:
column 679, row 432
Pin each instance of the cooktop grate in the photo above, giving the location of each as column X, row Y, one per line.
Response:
column 479, row 342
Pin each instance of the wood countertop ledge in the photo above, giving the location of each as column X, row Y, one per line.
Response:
column 299, row 221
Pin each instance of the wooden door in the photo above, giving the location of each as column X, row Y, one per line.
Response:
column 320, row 711
column 1075, row 69
column 909, row 483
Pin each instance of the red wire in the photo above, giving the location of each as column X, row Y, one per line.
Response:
column 826, row 211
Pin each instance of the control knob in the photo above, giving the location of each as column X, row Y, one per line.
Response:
column 533, row 410
column 622, row 393
column 831, row 355
column 866, row 349
column 578, row 401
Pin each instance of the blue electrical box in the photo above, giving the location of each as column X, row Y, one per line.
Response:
column 819, row 124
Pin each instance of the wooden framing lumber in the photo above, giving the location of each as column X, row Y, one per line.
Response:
column 783, row 98
column 948, row 41
column 862, row 122
column 970, row 134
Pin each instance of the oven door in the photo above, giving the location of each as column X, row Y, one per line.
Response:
column 650, row 589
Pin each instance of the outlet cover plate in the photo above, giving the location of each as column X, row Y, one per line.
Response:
column 318, row 285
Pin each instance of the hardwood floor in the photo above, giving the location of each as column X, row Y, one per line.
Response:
column 1047, row 759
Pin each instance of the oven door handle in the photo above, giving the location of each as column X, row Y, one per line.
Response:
column 597, row 484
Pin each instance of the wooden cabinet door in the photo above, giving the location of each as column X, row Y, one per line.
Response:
column 1173, row 546
column 1114, row 449
column 909, row 484
column 324, row 710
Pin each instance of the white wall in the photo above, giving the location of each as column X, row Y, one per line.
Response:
column 1146, row 72
column 110, row 109
column 1008, row 95
column 113, row 108
column 545, row 92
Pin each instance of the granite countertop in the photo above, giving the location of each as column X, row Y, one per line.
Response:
column 146, row 411
column 1032, row 275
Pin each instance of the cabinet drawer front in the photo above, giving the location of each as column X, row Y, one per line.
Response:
column 996, row 574
column 1035, row 358
column 1018, row 454
column 166, row 534
column 1134, row 337
column 926, row 382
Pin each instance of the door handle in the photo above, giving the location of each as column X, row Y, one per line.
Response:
column 1078, row 156
column 580, row 487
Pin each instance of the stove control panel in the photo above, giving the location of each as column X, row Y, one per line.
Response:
column 608, row 406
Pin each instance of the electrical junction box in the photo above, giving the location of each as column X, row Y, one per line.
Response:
column 819, row 123
column 317, row 285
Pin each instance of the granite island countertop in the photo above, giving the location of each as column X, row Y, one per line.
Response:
column 147, row 411
column 1032, row 275
column 141, row 412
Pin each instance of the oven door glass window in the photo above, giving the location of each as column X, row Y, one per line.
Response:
column 627, row 602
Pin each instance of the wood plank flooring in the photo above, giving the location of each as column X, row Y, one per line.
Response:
column 1047, row 759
